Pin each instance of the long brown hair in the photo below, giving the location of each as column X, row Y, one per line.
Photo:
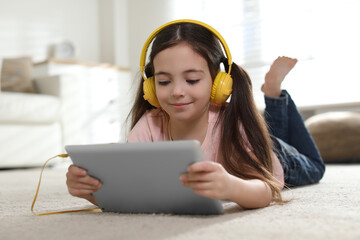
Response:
column 241, row 109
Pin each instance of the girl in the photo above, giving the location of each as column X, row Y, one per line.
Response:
column 244, row 164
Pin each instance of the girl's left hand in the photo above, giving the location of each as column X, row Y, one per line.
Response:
column 208, row 179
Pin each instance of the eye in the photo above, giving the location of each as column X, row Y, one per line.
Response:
column 163, row 83
column 190, row 81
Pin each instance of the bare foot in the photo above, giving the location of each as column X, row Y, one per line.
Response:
column 274, row 77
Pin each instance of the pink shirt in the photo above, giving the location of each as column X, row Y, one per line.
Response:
column 152, row 127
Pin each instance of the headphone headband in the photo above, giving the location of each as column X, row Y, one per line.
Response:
column 153, row 35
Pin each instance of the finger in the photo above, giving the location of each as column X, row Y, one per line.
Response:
column 197, row 176
column 207, row 193
column 78, row 185
column 197, row 186
column 78, row 174
column 83, row 193
column 87, row 180
column 204, row 189
column 77, row 171
column 205, row 166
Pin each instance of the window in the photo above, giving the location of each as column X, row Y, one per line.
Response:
column 321, row 34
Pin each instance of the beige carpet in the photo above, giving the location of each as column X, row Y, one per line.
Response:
column 329, row 210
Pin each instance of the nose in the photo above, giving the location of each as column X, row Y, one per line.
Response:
column 178, row 90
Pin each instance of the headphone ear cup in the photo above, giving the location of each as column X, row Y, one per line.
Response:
column 150, row 92
column 222, row 88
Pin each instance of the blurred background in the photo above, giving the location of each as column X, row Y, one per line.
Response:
column 92, row 48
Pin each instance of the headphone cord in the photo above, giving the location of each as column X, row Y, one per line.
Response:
column 37, row 192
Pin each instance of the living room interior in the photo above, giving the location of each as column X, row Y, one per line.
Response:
column 69, row 70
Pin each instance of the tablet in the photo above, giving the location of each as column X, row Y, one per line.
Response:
column 144, row 177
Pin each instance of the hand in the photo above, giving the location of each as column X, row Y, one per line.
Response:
column 208, row 179
column 80, row 184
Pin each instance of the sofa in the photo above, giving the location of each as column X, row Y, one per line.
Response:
column 37, row 126
column 47, row 105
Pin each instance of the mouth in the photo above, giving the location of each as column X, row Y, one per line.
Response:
column 180, row 105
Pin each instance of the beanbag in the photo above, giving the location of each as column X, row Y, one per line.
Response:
column 337, row 135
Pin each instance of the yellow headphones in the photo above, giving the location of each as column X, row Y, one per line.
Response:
column 222, row 86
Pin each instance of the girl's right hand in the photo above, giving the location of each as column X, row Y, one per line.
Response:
column 80, row 184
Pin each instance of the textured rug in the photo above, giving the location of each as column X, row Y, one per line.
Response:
column 328, row 210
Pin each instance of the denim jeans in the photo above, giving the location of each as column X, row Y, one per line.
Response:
column 296, row 149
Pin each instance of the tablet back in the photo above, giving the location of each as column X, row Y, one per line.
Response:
column 144, row 177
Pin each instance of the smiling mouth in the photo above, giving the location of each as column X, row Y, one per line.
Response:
column 180, row 105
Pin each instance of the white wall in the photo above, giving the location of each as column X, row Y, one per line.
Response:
column 144, row 17
column 27, row 27
column 111, row 31
column 121, row 35
column 106, row 31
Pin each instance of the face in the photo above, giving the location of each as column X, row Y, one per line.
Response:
column 183, row 83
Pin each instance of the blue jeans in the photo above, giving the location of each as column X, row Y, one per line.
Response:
column 296, row 149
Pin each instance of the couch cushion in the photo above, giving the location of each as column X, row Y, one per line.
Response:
column 337, row 135
column 28, row 108
column 16, row 75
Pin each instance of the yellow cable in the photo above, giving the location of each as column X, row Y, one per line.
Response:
column 37, row 192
